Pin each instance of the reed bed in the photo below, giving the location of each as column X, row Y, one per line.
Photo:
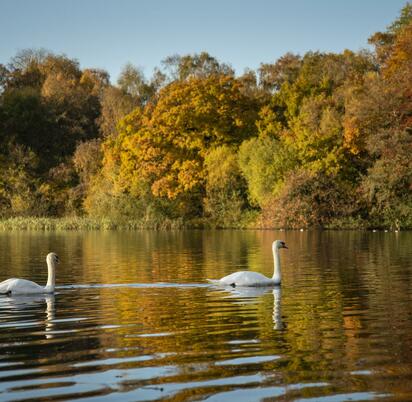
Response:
column 85, row 223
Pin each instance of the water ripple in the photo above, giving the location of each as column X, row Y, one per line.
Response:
column 133, row 319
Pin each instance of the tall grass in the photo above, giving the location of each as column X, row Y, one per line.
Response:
column 86, row 223
column 249, row 220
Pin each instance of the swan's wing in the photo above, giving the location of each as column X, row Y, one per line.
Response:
column 248, row 278
column 228, row 280
column 244, row 278
column 233, row 279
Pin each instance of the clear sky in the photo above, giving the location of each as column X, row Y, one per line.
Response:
column 244, row 33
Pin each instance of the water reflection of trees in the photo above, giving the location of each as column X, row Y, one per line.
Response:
column 355, row 303
column 345, row 303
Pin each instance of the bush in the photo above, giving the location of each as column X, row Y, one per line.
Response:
column 311, row 200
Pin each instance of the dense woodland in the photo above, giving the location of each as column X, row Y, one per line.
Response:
column 313, row 140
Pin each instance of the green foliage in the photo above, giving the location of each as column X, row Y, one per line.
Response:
column 225, row 188
column 264, row 162
column 19, row 193
column 28, row 121
column 47, row 105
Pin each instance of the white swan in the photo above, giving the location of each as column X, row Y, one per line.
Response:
column 15, row 286
column 250, row 278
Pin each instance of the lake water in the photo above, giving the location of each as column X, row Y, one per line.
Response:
column 133, row 318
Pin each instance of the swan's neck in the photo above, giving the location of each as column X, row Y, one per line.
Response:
column 276, row 272
column 51, row 277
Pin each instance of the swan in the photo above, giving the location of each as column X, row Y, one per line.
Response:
column 250, row 278
column 15, row 286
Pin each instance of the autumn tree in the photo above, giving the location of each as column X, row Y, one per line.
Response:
column 383, row 41
column 380, row 115
column 264, row 162
column 162, row 148
column 284, row 70
column 133, row 82
column 225, row 196
column 301, row 129
column 180, row 68
column 48, row 105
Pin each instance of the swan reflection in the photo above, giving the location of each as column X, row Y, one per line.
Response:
column 277, row 308
column 248, row 295
column 24, row 303
column 247, row 292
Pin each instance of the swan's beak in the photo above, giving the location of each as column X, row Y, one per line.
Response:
column 285, row 246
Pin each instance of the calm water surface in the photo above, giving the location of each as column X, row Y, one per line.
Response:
column 133, row 318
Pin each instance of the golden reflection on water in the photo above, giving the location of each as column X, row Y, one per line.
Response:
column 133, row 316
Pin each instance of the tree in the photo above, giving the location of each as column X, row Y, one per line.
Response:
column 115, row 105
column 225, row 198
column 264, row 161
column 95, row 81
column 133, row 82
column 27, row 121
column 163, row 147
column 302, row 137
column 4, row 72
column 284, row 70
column 198, row 65
column 388, row 184
column 47, row 107
column 312, row 200
column 87, row 161
column 19, row 185
column 378, row 124
column 48, row 104
column 383, row 41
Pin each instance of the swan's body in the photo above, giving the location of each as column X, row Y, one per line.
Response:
column 250, row 278
column 245, row 278
column 23, row 286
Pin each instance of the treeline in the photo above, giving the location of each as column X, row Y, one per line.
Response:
column 319, row 140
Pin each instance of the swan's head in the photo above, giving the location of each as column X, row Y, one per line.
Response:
column 53, row 258
column 277, row 244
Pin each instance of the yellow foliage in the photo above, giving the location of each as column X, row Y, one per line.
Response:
column 164, row 144
column 400, row 58
column 351, row 134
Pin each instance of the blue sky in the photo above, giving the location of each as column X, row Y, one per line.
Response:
column 244, row 33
